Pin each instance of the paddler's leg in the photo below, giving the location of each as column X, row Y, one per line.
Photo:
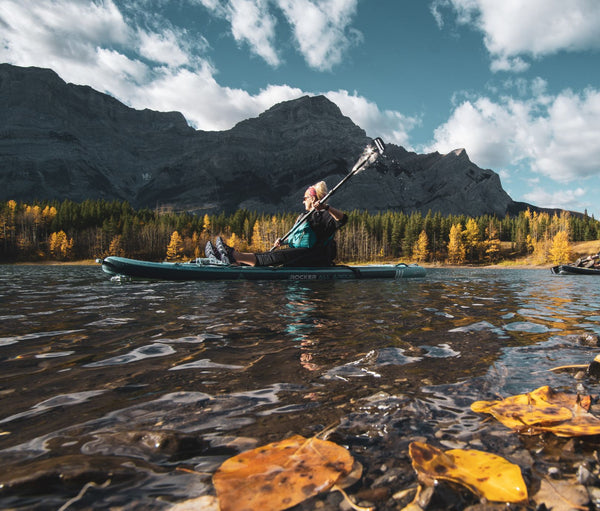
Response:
column 244, row 257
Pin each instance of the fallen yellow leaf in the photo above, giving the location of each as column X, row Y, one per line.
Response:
column 487, row 475
column 543, row 410
column 281, row 474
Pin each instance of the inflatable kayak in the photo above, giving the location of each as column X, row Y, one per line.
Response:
column 203, row 269
column 569, row 269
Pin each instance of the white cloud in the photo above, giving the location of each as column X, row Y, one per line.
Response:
column 206, row 104
column 535, row 28
column 163, row 48
column 251, row 23
column 390, row 125
column 556, row 135
column 321, row 29
column 61, row 30
column 562, row 199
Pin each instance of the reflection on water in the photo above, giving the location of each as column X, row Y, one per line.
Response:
column 132, row 382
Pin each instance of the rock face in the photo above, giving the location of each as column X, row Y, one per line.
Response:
column 63, row 141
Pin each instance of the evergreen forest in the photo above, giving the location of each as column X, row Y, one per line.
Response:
column 70, row 231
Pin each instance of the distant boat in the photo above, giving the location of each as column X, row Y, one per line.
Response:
column 571, row 269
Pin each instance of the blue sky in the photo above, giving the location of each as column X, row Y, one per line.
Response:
column 514, row 82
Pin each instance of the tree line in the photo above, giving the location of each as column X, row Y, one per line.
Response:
column 70, row 231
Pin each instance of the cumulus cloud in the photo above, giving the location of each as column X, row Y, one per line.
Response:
column 62, row 30
column 514, row 29
column 322, row 29
column 555, row 135
column 251, row 23
column 162, row 48
column 562, row 199
column 219, row 108
column 391, row 125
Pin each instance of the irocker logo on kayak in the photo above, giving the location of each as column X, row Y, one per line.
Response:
column 300, row 276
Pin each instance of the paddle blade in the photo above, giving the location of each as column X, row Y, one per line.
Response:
column 379, row 145
column 369, row 155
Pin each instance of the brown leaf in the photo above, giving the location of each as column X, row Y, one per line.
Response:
column 280, row 475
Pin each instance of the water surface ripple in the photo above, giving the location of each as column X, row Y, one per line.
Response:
column 144, row 388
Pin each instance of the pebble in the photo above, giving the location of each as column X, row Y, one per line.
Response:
column 583, row 475
column 554, row 472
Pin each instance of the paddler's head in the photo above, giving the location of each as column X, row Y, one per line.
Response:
column 314, row 193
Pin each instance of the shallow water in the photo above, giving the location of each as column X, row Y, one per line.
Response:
column 144, row 388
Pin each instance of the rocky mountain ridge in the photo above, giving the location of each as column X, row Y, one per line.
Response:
column 65, row 141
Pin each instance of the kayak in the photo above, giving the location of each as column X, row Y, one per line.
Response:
column 204, row 269
column 569, row 269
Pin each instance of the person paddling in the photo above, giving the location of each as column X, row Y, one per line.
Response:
column 311, row 242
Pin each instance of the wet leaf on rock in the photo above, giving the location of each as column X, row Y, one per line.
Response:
column 543, row 410
column 487, row 475
column 561, row 495
column 281, row 474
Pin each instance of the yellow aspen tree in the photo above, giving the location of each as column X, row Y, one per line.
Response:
column 492, row 244
column 66, row 248
column 60, row 245
column 530, row 244
column 420, row 250
column 471, row 239
column 233, row 240
column 175, row 247
column 206, row 224
column 560, row 250
column 257, row 244
column 48, row 213
column 456, row 247
column 52, row 243
column 116, row 248
column 541, row 250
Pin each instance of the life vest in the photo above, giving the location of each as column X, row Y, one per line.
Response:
column 303, row 236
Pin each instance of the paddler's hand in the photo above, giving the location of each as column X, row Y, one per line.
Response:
column 277, row 243
column 320, row 207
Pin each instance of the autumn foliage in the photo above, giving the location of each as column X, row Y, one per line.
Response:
column 74, row 231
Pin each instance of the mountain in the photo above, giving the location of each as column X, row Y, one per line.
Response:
column 65, row 141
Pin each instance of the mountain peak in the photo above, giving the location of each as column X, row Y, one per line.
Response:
column 64, row 141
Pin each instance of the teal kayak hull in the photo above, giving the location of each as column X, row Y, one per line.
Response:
column 201, row 269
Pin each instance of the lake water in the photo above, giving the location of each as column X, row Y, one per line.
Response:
column 144, row 388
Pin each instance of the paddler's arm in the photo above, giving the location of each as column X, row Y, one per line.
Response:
column 335, row 213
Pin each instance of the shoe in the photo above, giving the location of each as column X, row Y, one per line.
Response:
column 211, row 253
column 225, row 251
